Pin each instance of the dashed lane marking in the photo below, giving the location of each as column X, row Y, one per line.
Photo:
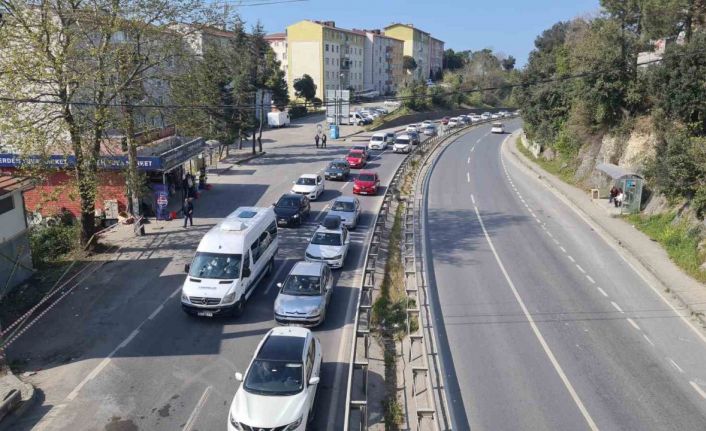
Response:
column 583, row 271
column 698, row 389
column 199, row 406
column 473, row 199
column 648, row 340
column 562, row 249
column 675, row 365
column 468, row 177
column 616, row 306
column 602, row 292
column 632, row 322
column 273, row 282
column 571, row 259
column 589, row 278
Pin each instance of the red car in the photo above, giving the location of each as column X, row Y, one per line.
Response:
column 445, row 121
column 357, row 159
column 366, row 183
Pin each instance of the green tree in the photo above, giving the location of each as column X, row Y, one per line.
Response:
column 409, row 63
column 452, row 60
column 305, row 88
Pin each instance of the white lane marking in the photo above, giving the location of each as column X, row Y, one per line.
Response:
column 94, row 373
column 156, row 312
column 473, row 199
column 562, row 249
column 580, row 269
column 345, row 185
column 473, row 148
column 571, row 259
column 589, row 278
column 602, row 291
column 535, row 329
column 671, row 361
column 468, row 161
column 608, row 239
column 698, row 389
column 648, row 340
column 550, row 234
column 322, row 213
column 468, row 177
column 555, row 241
column 274, row 278
column 617, row 307
column 199, row 406
column 634, row 325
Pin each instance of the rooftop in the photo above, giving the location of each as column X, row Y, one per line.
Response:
column 395, row 24
column 9, row 184
column 276, row 36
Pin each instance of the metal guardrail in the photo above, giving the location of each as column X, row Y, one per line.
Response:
column 359, row 361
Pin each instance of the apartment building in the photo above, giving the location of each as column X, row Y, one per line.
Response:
column 278, row 42
column 416, row 45
column 332, row 56
column 383, row 62
column 436, row 55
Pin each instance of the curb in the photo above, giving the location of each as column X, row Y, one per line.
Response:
column 645, row 266
column 18, row 400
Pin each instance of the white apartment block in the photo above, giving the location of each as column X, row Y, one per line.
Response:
column 278, row 42
column 383, row 62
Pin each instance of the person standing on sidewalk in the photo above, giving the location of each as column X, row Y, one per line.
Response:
column 188, row 210
column 316, row 140
column 323, row 140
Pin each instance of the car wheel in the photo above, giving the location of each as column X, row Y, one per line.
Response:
column 239, row 307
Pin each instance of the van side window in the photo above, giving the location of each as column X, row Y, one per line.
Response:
column 255, row 250
column 246, row 261
column 265, row 241
column 272, row 230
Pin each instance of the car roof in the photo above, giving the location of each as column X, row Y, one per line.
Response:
column 292, row 196
column 324, row 229
column 284, row 343
column 497, row 124
column 366, row 173
column 338, row 161
column 355, row 150
column 403, row 136
column 308, row 176
column 307, row 268
column 344, row 199
column 380, row 134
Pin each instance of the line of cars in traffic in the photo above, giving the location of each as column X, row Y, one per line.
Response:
column 279, row 386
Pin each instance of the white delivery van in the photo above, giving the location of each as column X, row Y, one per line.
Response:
column 278, row 119
column 356, row 119
column 230, row 261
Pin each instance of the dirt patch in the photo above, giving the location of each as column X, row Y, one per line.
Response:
column 118, row 424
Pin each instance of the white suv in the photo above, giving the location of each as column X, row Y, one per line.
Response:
column 279, row 386
column 377, row 142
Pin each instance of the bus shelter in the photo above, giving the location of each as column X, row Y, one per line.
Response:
column 630, row 182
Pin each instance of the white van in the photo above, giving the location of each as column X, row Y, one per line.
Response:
column 230, row 260
column 278, row 119
column 356, row 119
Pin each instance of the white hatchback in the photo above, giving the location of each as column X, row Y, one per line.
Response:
column 377, row 142
column 278, row 388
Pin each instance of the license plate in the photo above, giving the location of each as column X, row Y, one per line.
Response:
column 205, row 313
column 363, row 193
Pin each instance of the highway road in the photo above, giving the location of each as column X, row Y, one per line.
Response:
column 542, row 324
column 119, row 354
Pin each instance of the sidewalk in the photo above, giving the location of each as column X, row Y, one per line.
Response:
column 651, row 260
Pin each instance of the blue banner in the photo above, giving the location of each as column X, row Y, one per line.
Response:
column 161, row 196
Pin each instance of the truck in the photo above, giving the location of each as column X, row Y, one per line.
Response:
column 278, row 119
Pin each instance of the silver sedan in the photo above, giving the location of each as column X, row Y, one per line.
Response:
column 348, row 209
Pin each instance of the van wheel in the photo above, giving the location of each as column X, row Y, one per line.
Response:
column 239, row 307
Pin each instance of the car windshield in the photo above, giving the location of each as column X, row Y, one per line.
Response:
column 303, row 181
column 343, row 206
column 216, row 265
column 366, row 177
column 355, row 154
column 402, row 141
column 326, row 238
column 337, row 166
column 377, row 138
column 497, row 124
column 267, row 377
column 288, row 203
column 304, row 285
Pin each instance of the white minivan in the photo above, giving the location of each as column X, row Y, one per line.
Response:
column 230, row 261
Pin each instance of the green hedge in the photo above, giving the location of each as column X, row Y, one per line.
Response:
column 51, row 243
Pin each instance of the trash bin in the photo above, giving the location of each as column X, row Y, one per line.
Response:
column 334, row 131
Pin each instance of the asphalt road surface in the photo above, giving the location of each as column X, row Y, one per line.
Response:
column 542, row 324
column 119, row 354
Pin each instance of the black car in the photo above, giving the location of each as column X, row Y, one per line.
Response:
column 337, row 170
column 413, row 137
column 290, row 209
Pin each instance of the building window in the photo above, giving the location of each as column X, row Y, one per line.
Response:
column 6, row 205
column 326, row 61
column 327, row 47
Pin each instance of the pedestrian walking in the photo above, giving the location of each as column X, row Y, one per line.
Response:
column 188, row 210
column 323, row 140
column 316, row 139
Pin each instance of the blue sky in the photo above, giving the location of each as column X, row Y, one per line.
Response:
column 508, row 26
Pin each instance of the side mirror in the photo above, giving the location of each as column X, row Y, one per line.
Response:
column 187, row 267
column 239, row 377
column 279, row 285
column 246, row 272
column 314, row 380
